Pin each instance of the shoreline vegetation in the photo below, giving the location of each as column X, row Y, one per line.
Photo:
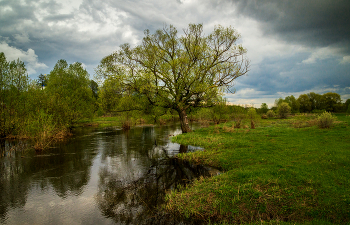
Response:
column 285, row 171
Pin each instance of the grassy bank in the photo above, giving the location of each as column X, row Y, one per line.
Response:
column 283, row 171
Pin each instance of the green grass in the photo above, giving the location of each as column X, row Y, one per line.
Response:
column 276, row 173
column 102, row 121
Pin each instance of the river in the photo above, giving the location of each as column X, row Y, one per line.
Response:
column 99, row 176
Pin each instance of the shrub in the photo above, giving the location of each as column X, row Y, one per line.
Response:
column 283, row 110
column 270, row 114
column 253, row 116
column 325, row 120
column 264, row 116
column 348, row 111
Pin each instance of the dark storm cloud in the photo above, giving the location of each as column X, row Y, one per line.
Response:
column 313, row 23
column 294, row 45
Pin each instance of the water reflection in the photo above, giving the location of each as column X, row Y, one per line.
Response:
column 135, row 199
column 101, row 176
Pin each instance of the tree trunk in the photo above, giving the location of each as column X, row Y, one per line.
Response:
column 184, row 121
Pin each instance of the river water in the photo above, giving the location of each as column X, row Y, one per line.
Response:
column 99, row 176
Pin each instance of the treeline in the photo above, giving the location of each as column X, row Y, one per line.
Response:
column 47, row 108
column 312, row 102
column 44, row 109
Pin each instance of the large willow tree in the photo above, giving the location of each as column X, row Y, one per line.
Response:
column 179, row 72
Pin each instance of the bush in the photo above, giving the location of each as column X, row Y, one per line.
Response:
column 253, row 116
column 239, row 114
column 325, row 120
column 270, row 114
column 264, row 116
column 283, row 110
column 348, row 111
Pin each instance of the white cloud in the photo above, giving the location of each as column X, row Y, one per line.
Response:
column 328, row 52
column 22, row 38
column 345, row 59
column 28, row 57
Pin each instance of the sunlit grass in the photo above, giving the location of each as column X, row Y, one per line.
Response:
column 275, row 173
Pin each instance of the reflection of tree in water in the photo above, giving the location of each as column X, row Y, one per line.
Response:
column 136, row 201
column 66, row 169
column 13, row 180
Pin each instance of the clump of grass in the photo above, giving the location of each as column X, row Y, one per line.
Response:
column 325, row 120
column 229, row 129
column 303, row 124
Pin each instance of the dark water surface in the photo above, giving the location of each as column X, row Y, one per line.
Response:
column 100, row 176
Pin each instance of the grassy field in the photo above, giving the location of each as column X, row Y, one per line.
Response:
column 283, row 172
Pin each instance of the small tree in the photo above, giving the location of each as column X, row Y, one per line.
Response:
column 253, row 116
column 70, row 96
column 264, row 108
column 239, row 114
column 283, row 110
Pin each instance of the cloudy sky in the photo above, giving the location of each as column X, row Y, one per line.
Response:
column 295, row 46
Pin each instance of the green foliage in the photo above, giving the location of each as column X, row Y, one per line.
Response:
column 69, row 93
column 239, row 114
column 94, row 88
column 319, row 111
column 283, row 110
column 293, row 103
column 348, row 110
column 220, row 111
column 313, row 102
column 13, row 87
column 316, row 101
column 346, row 104
column 332, row 102
column 305, row 103
column 325, row 120
column 264, row 108
column 252, row 114
column 178, row 72
column 42, row 81
column 270, row 114
column 28, row 110
column 110, row 94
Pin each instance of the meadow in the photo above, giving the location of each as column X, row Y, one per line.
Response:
column 285, row 171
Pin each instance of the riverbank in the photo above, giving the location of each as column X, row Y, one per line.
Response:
column 275, row 173
column 114, row 121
